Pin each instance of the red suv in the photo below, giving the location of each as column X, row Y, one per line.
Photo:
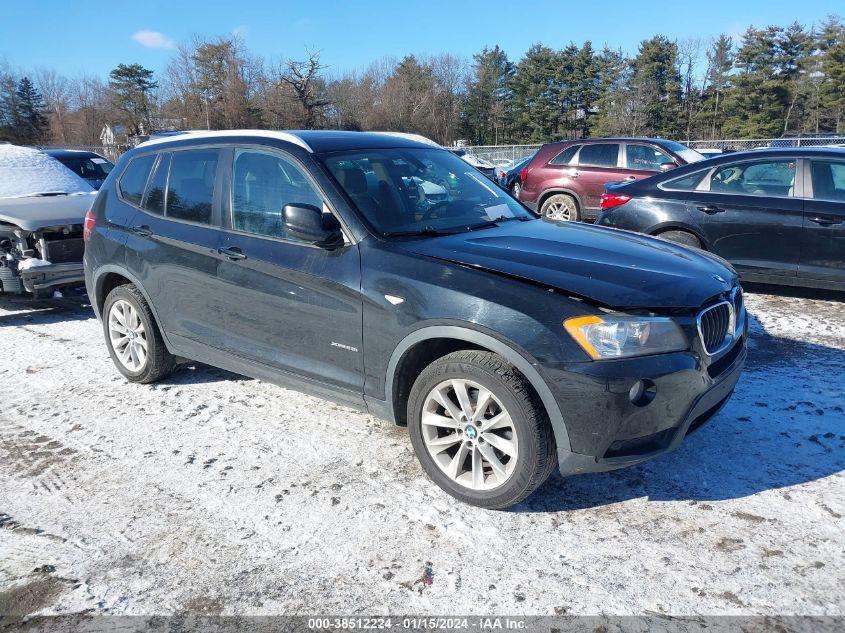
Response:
column 565, row 180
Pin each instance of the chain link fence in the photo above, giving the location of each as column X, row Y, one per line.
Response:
column 509, row 154
column 501, row 155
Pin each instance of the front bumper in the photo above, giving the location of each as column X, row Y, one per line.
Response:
column 43, row 280
column 607, row 431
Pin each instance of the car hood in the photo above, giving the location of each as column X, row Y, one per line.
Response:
column 34, row 213
column 617, row 269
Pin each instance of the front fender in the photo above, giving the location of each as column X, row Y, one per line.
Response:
column 517, row 357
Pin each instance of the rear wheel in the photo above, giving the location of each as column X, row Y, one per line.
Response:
column 560, row 206
column 516, row 188
column 479, row 430
column 681, row 237
column 133, row 338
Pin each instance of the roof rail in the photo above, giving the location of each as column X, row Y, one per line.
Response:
column 199, row 134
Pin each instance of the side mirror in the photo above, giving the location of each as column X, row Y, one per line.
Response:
column 309, row 224
column 668, row 166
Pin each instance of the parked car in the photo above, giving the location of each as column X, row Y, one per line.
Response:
column 90, row 166
column 484, row 166
column 508, row 344
column 511, row 179
column 565, row 180
column 816, row 139
column 777, row 215
column 42, row 206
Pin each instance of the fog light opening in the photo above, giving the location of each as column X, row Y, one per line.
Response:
column 642, row 393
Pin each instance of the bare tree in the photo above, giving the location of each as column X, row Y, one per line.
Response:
column 56, row 91
column 303, row 79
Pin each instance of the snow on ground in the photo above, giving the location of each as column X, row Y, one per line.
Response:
column 212, row 493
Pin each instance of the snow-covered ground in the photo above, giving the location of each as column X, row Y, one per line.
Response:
column 212, row 493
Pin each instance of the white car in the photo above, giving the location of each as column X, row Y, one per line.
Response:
column 42, row 213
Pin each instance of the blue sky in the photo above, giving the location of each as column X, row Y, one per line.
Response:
column 75, row 37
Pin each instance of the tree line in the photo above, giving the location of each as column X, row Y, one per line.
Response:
column 765, row 83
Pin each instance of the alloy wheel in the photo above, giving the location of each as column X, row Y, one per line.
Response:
column 127, row 335
column 469, row 434
column 561, row 210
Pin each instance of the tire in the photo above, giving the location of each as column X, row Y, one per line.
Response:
column 560, row 206
column 516, row 188
column 513, row 416
column 681, row 237
column 156, row 362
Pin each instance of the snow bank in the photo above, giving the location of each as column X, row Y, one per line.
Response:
column 26, row 172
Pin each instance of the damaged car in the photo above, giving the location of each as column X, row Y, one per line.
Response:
column 509, row 345
column 42, row 208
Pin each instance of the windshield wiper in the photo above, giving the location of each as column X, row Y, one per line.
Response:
column 426, row 230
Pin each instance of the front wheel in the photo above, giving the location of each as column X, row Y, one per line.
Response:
column 133, row 338
column 560, row 207
column 479, row 430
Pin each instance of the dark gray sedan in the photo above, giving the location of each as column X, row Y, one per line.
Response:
column 777, row 215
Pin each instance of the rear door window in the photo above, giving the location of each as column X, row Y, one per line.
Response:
column 133, row 181
column 646, row 157
column 755, row 178
column 190, row 188
column 599, row 155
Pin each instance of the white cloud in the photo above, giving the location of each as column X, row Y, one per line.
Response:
column 153, row 39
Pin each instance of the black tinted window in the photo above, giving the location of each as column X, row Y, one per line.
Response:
column 134, row 178
column 565, row 156
column 828, row 180
column 756, row 178
column 263, row 183
column 154, row 198
column 190, row 188
column 599, row 155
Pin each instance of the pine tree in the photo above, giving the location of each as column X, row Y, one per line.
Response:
column 487, row 103
column 720, row 61
column 28, row 119
column 655, row 87
column 536, row 89
column 131, row 87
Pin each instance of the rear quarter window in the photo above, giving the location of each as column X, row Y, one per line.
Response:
column 133, row 181
column 565, row 156
column 685, row 183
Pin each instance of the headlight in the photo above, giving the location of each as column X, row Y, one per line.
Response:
column 618, row 337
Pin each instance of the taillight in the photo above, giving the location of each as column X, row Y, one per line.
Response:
column 523, row 174
column 88, row 225
column 610, row 200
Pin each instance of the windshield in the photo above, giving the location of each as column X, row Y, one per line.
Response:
column 414, row 191
column 689, row 155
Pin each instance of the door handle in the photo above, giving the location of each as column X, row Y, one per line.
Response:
column 232, row 252
column 143, row 230
column 710, row 209
column 825, row 221
column 573, row 173
column 629, row 179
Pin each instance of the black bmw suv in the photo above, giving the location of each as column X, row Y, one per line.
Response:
column 508, row 344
